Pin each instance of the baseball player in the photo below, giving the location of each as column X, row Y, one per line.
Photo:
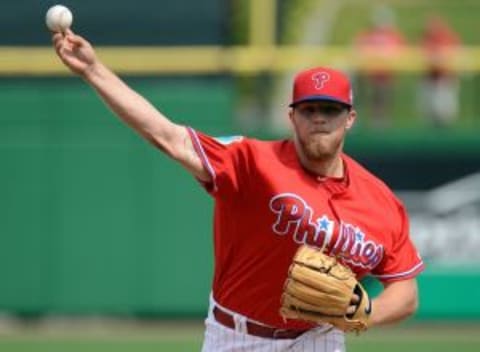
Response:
column 272, row 197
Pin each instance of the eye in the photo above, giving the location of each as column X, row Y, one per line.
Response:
column 332, row 110
column 307, row 110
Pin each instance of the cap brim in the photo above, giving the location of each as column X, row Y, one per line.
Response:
column 319, row 98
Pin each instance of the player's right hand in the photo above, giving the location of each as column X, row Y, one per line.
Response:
column 353, row 304
column 74, row 51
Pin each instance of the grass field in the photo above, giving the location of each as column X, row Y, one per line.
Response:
column 187, row 337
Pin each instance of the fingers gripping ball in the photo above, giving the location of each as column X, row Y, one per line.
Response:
column 319, row 289
column 58, row 18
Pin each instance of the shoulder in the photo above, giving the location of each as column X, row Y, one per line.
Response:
column 233, row 142
column 256, row 146
column 273, row 151
column 256, row 150
column 365, row 182
column 276, row 146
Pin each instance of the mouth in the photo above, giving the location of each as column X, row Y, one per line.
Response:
column 315, row 132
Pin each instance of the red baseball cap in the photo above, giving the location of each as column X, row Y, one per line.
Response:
column 322, row 84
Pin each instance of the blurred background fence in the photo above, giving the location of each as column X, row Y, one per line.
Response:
column 94, row 221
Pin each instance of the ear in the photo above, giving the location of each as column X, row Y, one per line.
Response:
column 352, row 116
column 290, row 114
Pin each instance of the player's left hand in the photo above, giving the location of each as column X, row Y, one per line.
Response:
column 320, row 289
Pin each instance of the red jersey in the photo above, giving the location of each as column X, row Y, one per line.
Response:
column 379, row 45
column 267, row 205
column 440, row 43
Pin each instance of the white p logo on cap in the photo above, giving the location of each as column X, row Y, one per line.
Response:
column 320, row 79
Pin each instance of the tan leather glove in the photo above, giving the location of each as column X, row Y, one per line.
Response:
column 319, row 289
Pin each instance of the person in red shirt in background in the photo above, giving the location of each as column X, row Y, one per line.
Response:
column 439, row 87
column 377, row 46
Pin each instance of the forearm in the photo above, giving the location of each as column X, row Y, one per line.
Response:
column 131, row 107
column 397, row 302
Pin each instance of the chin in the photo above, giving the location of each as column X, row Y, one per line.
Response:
column 316, row 151
column 320, row 148
column 318, row 156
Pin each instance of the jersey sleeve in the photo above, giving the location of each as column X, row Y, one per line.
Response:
column 225, row 159
column 401, row 261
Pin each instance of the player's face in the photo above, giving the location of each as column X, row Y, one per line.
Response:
column 320, row 128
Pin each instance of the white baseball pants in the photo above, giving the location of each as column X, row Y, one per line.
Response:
column 219, row 338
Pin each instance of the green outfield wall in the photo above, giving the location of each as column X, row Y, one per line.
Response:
column 92, row 219
column 95, row 221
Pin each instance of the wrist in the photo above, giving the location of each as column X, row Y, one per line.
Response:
column 92, row 71
column 373, row 319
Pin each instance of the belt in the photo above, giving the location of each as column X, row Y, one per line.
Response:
column 255, row 329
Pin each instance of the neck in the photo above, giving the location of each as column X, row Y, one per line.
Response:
column 327, row 168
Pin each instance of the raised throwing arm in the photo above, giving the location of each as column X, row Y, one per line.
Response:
column 79, row 56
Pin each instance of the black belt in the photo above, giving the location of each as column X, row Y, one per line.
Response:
column 255, row 329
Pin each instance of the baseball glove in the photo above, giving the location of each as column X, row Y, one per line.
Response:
column 319, row 289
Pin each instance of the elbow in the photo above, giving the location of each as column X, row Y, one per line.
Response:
column 412, row 300
column 171, row 141
column 411, row 306
column 162, row 144
column 157, row 143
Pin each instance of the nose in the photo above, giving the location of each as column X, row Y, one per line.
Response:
column 319, row 118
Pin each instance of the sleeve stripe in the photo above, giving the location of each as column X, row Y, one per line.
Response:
column 203, row 156
column 416, row 268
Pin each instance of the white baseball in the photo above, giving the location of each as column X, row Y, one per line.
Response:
column 58, row 18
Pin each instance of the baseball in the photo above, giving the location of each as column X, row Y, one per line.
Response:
column 58, row 18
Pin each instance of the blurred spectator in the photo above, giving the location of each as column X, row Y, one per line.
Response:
column 377, row 46
column 439, row 86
